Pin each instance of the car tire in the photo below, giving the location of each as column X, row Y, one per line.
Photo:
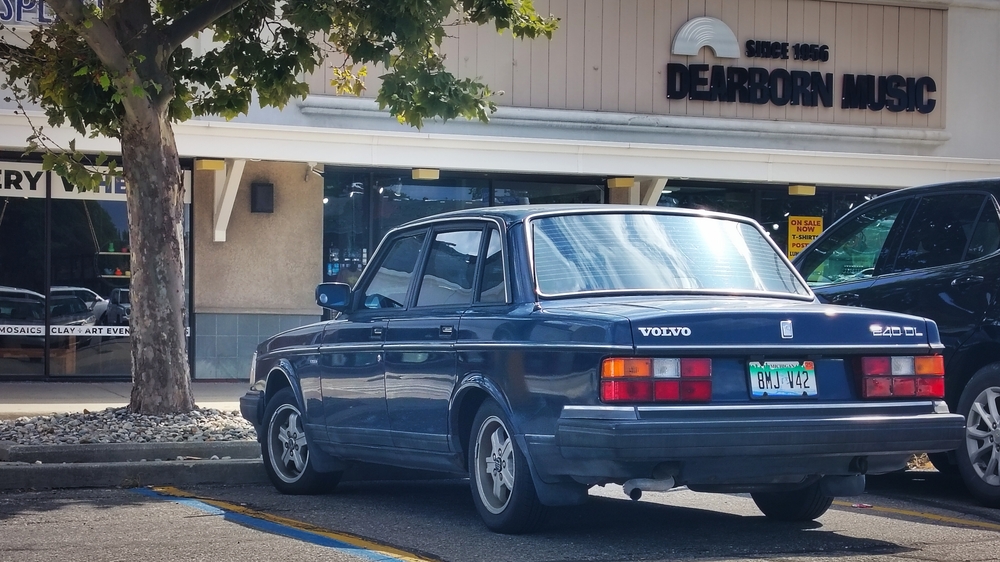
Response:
column 501, row 483
column 979, row 457
column 285, row 451
column 804, row 504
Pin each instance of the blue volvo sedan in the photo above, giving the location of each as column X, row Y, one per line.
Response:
column 542, row 350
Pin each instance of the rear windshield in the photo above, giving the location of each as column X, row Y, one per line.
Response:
column 636, row 252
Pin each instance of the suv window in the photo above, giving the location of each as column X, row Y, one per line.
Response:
column 853, row 249
column 388, row 286
column 986, row 237
column 939, row 231
column 451, row 268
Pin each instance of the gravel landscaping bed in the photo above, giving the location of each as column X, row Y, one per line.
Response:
column 118, row 425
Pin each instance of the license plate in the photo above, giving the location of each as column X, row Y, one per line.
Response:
column 782, row 378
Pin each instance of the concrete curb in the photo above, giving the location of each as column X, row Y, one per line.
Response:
column 127, row 465
column 127, row 452
column 18, row 476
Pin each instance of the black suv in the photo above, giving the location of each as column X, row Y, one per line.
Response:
column 931, row 251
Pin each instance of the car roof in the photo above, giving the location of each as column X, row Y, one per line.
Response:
column 991, row 185
column 21, row 291
column 512, row 214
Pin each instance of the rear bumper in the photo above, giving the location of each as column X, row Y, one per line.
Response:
column 741, row 444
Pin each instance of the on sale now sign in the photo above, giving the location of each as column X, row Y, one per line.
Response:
column 802, row 231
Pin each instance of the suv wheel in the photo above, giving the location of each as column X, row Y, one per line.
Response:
column 979, row 457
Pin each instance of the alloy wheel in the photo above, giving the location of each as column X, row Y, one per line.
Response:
column 494, row 465
column 287, row 442
column 982, row 435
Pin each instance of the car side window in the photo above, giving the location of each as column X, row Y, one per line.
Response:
column 986, row 237
column 854, row 248
column 388, row 286
column 493, row 287
column 451, row 268
column 939, row 231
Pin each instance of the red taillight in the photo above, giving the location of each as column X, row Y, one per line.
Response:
column 902, row 376
column 641, row 379
column 626, row 391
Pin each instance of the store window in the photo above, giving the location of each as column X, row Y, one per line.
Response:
column 524, row 193
column 770, row 205
column 65, row 268
column 345, row 225
column 399, row 199
column 360, row 206
column 22, row 286
column 90, row 260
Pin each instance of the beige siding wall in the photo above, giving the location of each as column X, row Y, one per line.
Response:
column 611, row 55
column 269, row 263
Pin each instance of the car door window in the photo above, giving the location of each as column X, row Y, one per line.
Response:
column 388, row 286
column 986, row 236
column 493, row 287
column 939, row 231
column 854, row 248
column 451, row 268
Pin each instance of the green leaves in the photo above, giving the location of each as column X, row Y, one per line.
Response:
column 264, row 52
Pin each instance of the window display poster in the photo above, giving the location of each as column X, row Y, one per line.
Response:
column 802, row 231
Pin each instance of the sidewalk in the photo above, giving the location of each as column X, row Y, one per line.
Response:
column 112, row 465
column 120, row 464
column 39, row 398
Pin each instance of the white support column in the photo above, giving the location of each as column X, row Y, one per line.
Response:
column 227, row 183
column 650, row 190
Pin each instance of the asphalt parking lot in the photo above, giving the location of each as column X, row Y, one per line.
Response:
column 913, row 516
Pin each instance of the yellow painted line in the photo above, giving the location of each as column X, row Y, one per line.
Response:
column 925, row 515
column 346, row 538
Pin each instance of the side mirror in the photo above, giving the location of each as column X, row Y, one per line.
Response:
column 335, row 296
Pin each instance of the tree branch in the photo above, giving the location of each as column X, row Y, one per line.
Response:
column 196, row 20
column 95, row 32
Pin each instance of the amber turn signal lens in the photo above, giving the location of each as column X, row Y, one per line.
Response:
column 618, row 367
column 929, row 365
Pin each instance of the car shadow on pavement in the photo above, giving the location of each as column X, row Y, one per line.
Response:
column 439, row 517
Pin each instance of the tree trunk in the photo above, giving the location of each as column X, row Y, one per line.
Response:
column 160, row 371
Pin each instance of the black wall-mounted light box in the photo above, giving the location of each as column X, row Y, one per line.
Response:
column 262, row 198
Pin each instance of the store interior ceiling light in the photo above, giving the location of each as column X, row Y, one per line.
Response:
column 425, row 173
column 799, row 189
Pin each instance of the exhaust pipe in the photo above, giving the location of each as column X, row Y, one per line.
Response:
column 634, row 487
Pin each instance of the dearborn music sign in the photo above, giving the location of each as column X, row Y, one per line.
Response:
column 756, row 85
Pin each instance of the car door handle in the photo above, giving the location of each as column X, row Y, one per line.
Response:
column 968, row 280
column 447, row 331
column 847, row 299
column 376, row 333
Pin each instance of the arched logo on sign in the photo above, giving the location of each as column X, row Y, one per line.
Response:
column 706, row 32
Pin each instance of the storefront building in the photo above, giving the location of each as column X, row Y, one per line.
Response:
column 787, row 111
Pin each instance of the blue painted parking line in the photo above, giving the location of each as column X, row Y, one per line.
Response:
column 283, row 526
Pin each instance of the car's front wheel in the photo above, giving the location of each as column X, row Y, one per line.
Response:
column 286, row 452
column 499, row 476
column 979, row 457
column 804, row 504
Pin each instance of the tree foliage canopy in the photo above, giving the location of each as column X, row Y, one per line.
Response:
column 260, row 46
